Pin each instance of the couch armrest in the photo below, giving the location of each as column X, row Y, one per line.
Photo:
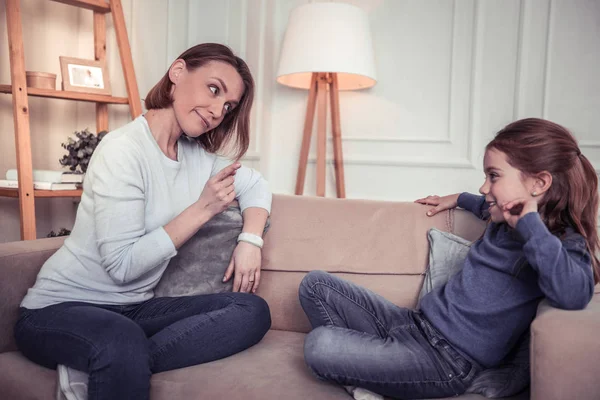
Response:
column 565, row 353
column 20, row 263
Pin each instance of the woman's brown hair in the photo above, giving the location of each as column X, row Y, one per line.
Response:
column 235, row 127
column 534, row 145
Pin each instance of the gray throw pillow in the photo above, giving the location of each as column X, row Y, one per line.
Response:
column 447, row 253
column 200, row 264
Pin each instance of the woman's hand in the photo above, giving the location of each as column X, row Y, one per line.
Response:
column 440, row 203
column 516, row 209
column 219, row 191
column 246, row 261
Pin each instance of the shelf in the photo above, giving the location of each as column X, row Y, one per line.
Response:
column 63, row 94
column 8, row 192
column 100, row 6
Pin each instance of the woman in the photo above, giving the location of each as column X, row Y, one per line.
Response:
column 149, row 187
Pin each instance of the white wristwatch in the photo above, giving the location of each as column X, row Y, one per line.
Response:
column 251, row 238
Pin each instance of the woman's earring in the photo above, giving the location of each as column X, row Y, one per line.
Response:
column 534, row 194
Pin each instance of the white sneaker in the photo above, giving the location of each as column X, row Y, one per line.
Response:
column 362, row 394
column 72, row 384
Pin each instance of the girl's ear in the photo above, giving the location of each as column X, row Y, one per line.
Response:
column 177, row 68
column 542, row 183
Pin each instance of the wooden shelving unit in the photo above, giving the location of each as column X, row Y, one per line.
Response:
column 20, row 93
column 4, row 192
column 65, row 95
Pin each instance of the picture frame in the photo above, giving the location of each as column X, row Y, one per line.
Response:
column 86, row 76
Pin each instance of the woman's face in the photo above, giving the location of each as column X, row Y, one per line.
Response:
column 203, row 97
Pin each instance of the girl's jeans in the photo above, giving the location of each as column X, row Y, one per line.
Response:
column 121, row 346
column 361, row 339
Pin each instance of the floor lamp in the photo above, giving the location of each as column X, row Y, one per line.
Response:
column 327, row 48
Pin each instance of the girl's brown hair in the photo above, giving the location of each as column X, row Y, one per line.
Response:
column 235, row 127
column 534, row 145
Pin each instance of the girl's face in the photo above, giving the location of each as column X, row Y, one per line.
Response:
column 204, row 96
column 503, row 183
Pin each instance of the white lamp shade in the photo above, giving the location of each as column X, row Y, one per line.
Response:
column 327, row 37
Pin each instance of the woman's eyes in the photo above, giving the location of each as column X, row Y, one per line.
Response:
column 215, row 91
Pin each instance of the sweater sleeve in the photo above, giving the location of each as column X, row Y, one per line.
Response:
column 564, row 267
column 251, row 189
column 476, row 204
column 127, row 249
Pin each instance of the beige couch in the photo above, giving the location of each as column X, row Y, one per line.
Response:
column 381, row 245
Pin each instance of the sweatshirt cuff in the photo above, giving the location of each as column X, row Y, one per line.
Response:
column 163, row 246
column 468, row 201
column 261, row 201
column 531, row 225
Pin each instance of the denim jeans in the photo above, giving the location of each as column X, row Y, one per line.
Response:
column 361, row 339
column 121, row 346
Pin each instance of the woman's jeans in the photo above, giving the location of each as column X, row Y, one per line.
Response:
column 361, row 339
column 121, row 346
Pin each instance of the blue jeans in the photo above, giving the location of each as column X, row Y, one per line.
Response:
column 361, row 339
column 121, row 346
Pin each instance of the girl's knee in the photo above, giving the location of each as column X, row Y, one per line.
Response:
column 319, row 345
column 311, row 279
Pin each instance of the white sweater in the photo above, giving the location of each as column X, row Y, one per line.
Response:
column 118, row 249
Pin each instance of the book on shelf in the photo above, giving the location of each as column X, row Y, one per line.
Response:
column 13, row 184
column 47, row 175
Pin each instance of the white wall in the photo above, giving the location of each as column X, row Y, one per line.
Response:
column 450, row 74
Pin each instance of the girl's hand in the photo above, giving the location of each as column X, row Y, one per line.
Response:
column 440, row 203
column 515, row 210
column 246, row 261
column 219, row 191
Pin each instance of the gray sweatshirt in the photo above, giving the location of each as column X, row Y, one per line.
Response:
column 118, row 249
column 484, row 309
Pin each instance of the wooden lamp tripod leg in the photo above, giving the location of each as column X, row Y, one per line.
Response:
column 337, row 138
column 321, row 132
column 308, row 124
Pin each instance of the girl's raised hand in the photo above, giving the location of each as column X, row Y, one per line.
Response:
column 440, row 203
column 515, row 210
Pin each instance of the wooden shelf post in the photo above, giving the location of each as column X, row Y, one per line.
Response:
column 20, row 92
column 21, row 119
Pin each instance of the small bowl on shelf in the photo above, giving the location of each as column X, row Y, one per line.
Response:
column 40, row 80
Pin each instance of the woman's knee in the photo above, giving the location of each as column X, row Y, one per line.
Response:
column 124, row 345
column 257, row 310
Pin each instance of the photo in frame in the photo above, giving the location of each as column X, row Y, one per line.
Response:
column 87, row 76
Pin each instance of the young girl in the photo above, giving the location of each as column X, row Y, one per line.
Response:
column 541, row 195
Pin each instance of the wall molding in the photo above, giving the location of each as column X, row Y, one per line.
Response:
column 458, row 163
column 459, row 133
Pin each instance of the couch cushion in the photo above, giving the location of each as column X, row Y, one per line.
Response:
column 356, row 236
column 273, row 369
column 280, row 290
column 20, row 263
column 23, row 380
